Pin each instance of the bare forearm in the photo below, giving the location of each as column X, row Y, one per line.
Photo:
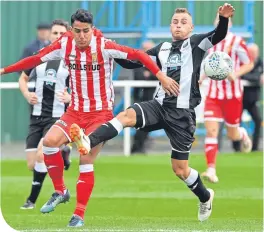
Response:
column 23, row 81
column 244, row 69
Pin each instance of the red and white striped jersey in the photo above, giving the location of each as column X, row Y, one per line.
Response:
column 91, row 69
column 236, row 48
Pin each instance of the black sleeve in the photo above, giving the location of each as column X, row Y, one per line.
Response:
column 28, row 71
column 208, row 40
column 254, row 75
column 130, row 64
column 32, row 75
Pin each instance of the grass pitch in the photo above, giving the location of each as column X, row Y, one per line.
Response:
column 141, row 193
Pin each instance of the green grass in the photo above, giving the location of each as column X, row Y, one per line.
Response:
column 141, row 193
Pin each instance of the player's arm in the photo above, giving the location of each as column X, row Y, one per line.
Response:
column 255, row 76
column 23, row 86
column 208, row 40
column 51, row 52
column 114, row 51
column 132, row 64
column 244, row 57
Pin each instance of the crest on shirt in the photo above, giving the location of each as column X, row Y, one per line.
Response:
column 51, row 75
column 94, row 57
column 174, row 61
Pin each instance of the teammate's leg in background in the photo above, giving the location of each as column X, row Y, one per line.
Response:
column 52, row 142
column 193, row 181
column 31, row 160
column 39, row 174
column 236, row 133
column 66, row 151
column 211, row 150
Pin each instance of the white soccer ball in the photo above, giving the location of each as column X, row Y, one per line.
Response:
column 218, row 65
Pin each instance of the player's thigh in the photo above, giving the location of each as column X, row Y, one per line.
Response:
column 148, row 115
column 59, row 133
column 232, row 110
column 180, row 130
column 213, row 110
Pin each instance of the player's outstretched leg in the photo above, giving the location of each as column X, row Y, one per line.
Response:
column 103, row 133
column 193, row 181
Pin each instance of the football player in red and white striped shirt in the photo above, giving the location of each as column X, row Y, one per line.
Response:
column 224, row 102
column 89, row 58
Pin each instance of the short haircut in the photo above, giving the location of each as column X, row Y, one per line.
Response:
column 181, row 10
column 83, row 16
column 60, row 22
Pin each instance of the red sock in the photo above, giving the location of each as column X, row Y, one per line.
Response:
column 211, row 149
column 54, row 163
column 84, row 188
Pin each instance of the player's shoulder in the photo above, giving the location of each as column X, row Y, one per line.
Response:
column 164, row 46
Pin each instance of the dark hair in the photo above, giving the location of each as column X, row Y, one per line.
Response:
column 60, row 22
column 181, row 10
column 83, row 16
column 43, row 26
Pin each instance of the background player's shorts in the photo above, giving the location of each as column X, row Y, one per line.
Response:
column 38, row 127
column 89, row 121
column 228, row 110
column 179, row 125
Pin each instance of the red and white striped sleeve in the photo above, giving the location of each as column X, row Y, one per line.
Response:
column 242, row 53
column 115, row 50
column 51, row 52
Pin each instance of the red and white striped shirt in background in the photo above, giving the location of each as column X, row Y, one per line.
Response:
column 236, row 48
column 90, row 69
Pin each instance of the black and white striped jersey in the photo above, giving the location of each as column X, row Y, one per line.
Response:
column 50, row 79
column 181, row 60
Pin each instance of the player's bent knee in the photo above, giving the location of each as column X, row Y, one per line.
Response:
column 30, row 165
column 127, row 118
column 212, row 133
column 51, row 141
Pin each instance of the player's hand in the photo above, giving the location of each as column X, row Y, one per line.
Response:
column 32, row 98
column 2, row 71
column 64, row 97
column 170, row 86
column 227, row 10
column 231, row 77
column 202, row 77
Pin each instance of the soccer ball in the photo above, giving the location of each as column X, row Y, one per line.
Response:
column 218, row 65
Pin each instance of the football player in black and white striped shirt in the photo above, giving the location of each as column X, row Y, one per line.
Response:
column 181, row 60
column 48, row 101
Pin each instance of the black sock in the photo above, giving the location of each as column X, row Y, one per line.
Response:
column 195, row 184
column 38, row 179
column 105, row 132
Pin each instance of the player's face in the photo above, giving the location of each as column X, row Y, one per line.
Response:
column 82, row 33
column 56, row 32
column 181, row 26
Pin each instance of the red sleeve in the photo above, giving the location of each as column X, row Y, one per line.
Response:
column 122, row 52
column 27, row 63
column 243, row 53
column 50, row 52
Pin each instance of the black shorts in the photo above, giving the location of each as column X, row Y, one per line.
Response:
column 179, row 125
column 38, row 127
